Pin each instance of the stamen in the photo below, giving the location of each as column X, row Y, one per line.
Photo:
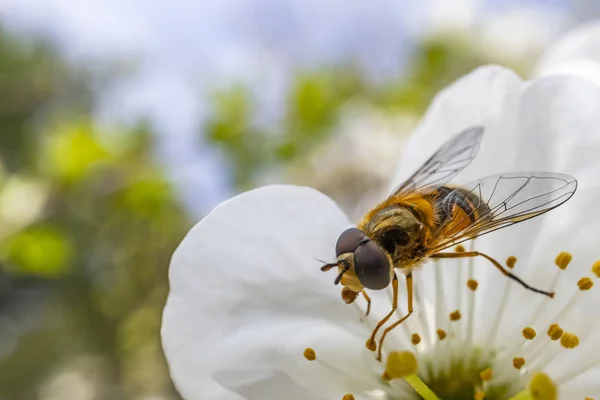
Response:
column 575, row 297
column 585, row 283
column 518, row 362
column 569, row 340
column 348, row 397
column 541, row 303
column 470, row 322
column 440, row 298
column 472, row 284
column 310, row 354
column 555, row 332
column 563, row 259
column 441, row 312
column 479, row 395
column 486, row 375
column 421, row 314
column 415, row 339
column 455, row 315
column 493, row 331
column 441, row 334
column 529, row 333
column 460, row 248
column 596, row 268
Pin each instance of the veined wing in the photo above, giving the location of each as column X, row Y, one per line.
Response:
column 498, row 201
column 444, row 164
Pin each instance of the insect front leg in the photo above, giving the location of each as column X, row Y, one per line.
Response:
column 368, row 299
column 371, row 342
column 409, row 294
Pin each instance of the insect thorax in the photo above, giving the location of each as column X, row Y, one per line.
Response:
column 399, row 230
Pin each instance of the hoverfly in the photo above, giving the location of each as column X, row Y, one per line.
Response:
column 424, row 216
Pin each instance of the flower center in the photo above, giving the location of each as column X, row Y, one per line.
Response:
column 454, row 364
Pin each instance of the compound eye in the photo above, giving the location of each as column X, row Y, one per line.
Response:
column 348, row 241
column 372, row 267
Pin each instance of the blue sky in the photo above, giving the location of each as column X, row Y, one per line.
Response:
column 183, row 49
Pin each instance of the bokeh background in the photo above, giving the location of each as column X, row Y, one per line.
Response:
column 123, row 123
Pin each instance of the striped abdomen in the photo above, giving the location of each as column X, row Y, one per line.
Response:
column 458, row 208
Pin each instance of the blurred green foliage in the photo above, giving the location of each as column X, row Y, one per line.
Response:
column 83, row 267
column 315, row 100
column 88, row 219
column 312, row 107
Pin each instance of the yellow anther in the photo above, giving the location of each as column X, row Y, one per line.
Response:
column 401, row 364
column 589, row 398
column 415, row 339
column 441, row 334
column 455, row 315
column 348, row 397
column 518, row 362
column 541, row 387
column 569, row 340
column 511, row 261
column 563, row 259
column 460, row 248
column 585, row 283
column 529, row 333
column 486, row 375
column 472, row 284
column 386, row 376
column 310, row 354
column 479, row 395
column 555, row 332
column 596, row 268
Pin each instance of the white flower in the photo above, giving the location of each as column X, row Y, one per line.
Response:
column 575, row 53
column 247, row 297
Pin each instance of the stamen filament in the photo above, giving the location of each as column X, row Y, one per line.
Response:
column 491, row 336
column 518, row 343
column 422, row 318
column 470, row 322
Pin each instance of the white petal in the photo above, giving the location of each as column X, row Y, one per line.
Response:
column 572, row 143
column 548, row 124
column 576, row 53
column 247, row 297
column 486, row 96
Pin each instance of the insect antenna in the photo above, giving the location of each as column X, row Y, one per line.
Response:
column 339, row 277
column 327, row 265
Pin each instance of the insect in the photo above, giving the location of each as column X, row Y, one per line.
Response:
column 424, row 216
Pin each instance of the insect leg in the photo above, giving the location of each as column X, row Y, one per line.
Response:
column 371, row 342
column 409, row 294
column 368, row 299
column 496, row 264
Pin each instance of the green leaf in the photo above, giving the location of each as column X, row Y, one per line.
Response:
column 42, row 251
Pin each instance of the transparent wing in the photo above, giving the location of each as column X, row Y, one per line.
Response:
column 445, row 164
column 498, row 201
